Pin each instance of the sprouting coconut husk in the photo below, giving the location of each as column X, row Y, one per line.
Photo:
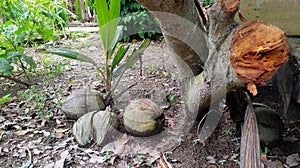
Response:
column 257, row 51
column 81, row 102
column 97, row 126
column 143, row 117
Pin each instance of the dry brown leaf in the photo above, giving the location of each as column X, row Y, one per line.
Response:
column 264, row 157
column 61, row 130
column 23, row 132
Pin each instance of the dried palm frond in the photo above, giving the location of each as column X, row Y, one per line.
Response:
column 250, row 145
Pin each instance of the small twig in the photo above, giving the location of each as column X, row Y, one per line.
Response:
column 15, row 80
column 141, row 65
column 198, row 128
column 163, row 161
column 29, row 163
column 125, row 90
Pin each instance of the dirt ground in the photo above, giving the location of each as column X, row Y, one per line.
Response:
column 43, row 135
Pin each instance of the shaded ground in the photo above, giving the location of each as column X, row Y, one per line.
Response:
column 33, row 127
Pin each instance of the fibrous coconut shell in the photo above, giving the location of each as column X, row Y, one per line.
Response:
column 81, row 102
column 257, row 51
column 96, row 126
column 142, row 117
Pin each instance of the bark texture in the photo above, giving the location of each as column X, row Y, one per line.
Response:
column 202, row 70
column 203, row 58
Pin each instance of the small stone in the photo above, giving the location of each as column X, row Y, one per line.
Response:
column 293, row 160
column 92, row 48
column 211, row 159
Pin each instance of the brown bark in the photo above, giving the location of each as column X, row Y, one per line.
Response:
column 180, row 26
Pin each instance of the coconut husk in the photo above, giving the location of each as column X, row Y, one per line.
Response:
column 97, row 126
column 143, row 117
column 81, row 102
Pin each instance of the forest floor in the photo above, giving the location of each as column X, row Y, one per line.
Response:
column 33, row 129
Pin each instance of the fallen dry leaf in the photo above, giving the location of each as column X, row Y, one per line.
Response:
column 263, row 157
column 61, row 130
column 59, row 135
column 23, row 132
column 2, row 119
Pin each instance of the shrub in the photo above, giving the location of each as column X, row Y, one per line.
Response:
column 26, row 23
column 137, row 20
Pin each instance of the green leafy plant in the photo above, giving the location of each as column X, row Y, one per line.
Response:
column 36, row 98
column 26, row 23
column 207, row 2
column 228, row 131
column 265, row 151
column 114, row 52
column 136, row 19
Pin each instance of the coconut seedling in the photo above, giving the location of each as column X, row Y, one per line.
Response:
column 108, row 13
column 114, row 52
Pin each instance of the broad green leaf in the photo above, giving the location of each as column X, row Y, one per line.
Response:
column 29, row 60
column 115, row 41
column 114, row 14
column 114, row 10
column 119, row 71
column 12, row 55
column 47, row 14
column 4, row 55
column 102, row 12
column 108, row 21
column 144, row 44
column 64, row 52
column 136, row 53
column 102, row 18
column 5, row 67
column 119, row 56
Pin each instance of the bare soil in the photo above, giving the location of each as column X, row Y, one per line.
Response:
column 43, row 135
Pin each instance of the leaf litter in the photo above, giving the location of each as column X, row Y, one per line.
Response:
column 48, row 137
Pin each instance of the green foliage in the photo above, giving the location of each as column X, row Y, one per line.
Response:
column 228, row 132
column 36, row 98
column 136, row 21
column 5, row 98
column 50, row 68
column 207, row 2
column 265, row 151
column 78, row 10
column 25, row 23
column 108, row 14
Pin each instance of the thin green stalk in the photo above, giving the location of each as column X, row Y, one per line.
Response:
column 102, row 74
column 108, row 81
column 24, row 69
